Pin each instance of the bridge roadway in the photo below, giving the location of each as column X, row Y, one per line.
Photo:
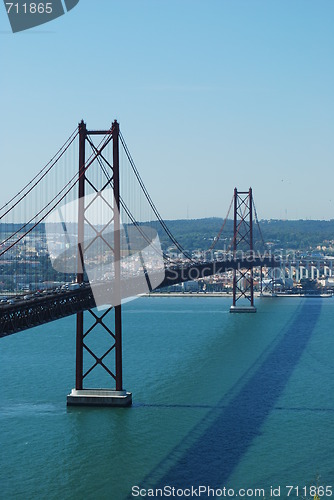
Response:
column 24, row 314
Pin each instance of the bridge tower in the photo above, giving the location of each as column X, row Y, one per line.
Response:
column 87, row 356
column 243, row 283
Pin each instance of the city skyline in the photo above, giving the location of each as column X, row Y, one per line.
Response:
column 208, row 98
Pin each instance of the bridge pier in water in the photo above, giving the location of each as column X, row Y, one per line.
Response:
column 80, row 395
column 243, row 282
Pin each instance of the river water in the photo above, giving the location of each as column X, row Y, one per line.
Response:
column 219, row 400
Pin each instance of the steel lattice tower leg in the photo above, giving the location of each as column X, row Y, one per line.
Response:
column 81, row 396
column 243, row 283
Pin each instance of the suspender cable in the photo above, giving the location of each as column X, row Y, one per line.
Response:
column 258, row 224
column 87, row 165
column 124, row 206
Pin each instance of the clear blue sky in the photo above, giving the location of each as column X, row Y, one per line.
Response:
column 210, row 95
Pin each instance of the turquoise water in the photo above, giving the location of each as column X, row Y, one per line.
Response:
column 219, row 399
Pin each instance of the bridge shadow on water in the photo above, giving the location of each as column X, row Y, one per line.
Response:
column 230, row 427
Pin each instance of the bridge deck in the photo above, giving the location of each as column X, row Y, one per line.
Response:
column 25, row 314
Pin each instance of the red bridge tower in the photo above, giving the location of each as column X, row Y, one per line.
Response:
column 243, row 285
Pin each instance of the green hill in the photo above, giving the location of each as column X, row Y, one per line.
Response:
column 304, row 235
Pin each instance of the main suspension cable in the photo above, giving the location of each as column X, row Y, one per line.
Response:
column 46, row 169
column 215, row 241
column 149, row 199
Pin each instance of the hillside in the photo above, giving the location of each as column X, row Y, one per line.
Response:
column 304, row 235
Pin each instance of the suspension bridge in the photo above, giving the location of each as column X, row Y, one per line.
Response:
column 83, row 236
